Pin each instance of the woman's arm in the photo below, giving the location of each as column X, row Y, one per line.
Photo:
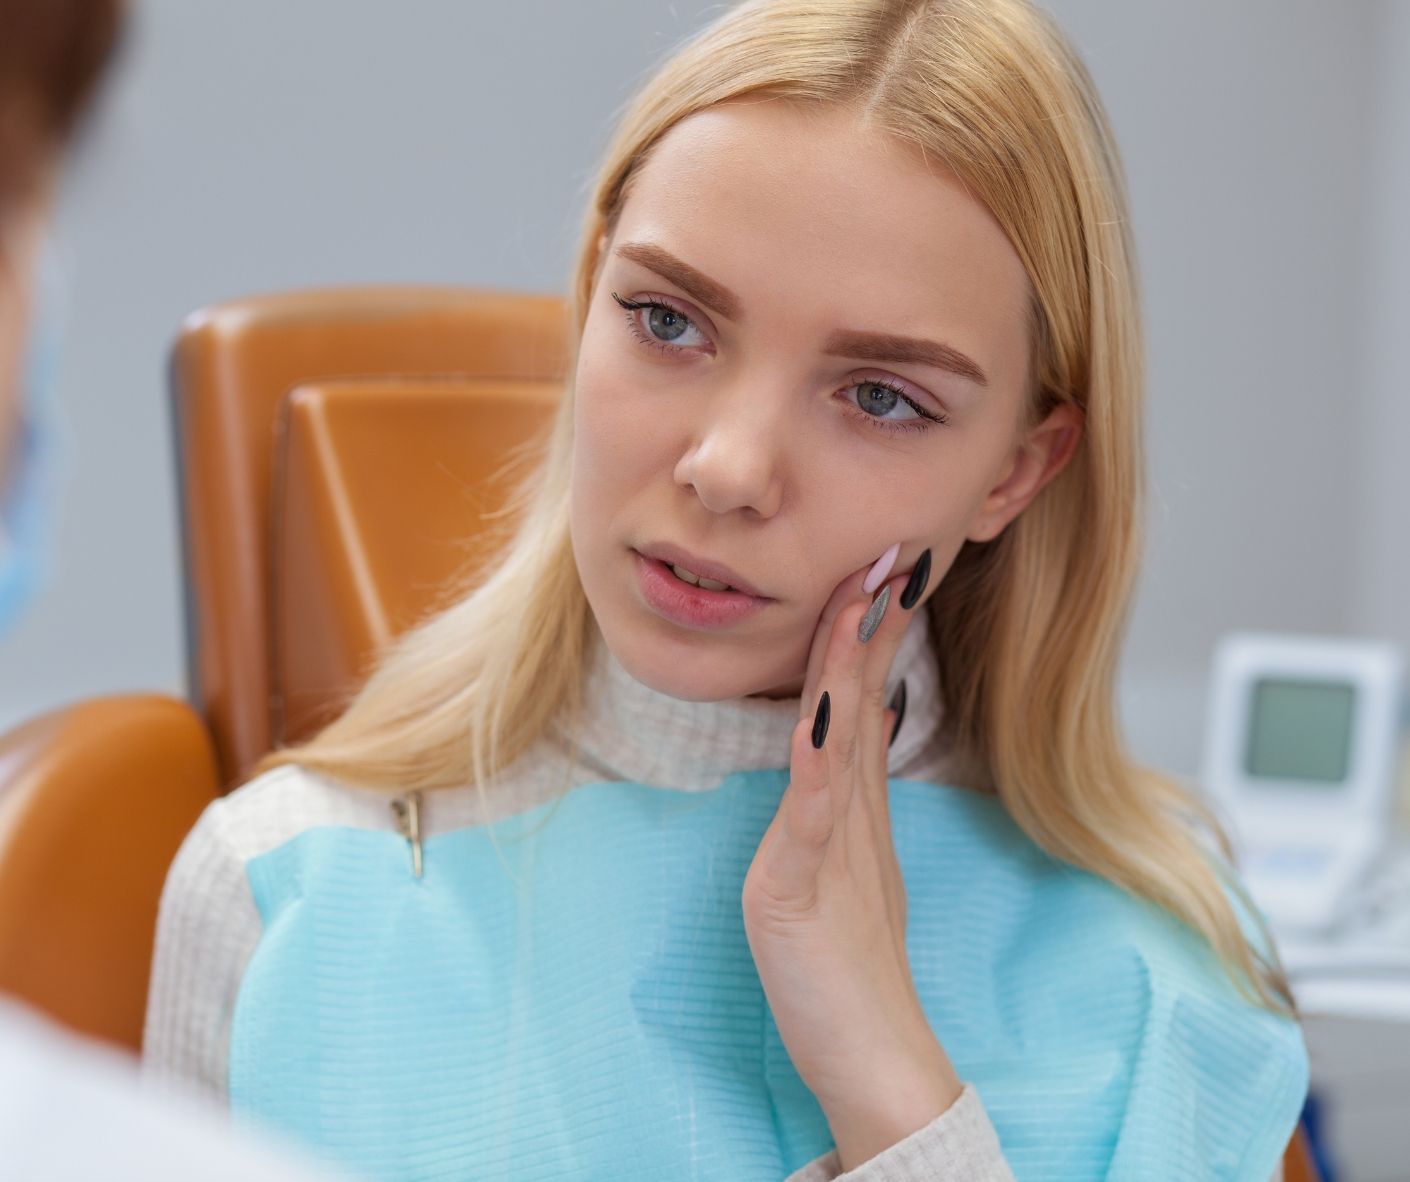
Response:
column 207, row 928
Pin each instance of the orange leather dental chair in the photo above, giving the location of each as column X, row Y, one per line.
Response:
column 339, row 453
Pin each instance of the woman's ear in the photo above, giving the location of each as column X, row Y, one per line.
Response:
column 1036, row 459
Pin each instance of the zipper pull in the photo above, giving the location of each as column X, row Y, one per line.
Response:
column 408, row 813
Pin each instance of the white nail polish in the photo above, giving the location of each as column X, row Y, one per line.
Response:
column 880, row 569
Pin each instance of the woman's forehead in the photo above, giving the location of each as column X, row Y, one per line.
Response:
column 794, row 213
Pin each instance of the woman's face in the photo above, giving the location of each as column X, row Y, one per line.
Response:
column 740, row 423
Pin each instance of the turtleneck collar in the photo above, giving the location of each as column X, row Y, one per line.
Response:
column 632, row 732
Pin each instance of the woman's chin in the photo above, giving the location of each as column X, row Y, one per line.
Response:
column 695, row 676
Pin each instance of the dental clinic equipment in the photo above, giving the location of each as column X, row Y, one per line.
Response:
column 1302, row 754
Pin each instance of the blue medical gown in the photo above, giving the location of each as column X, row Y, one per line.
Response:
column 576, row 999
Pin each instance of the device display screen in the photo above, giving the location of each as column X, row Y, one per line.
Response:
column 1300, row 730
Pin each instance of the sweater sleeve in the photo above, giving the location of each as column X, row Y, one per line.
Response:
column 960, row 1143
column 207, row 929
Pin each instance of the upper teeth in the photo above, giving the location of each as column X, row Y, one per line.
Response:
column 691, row 577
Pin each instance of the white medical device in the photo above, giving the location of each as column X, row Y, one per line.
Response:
column 1301, row 752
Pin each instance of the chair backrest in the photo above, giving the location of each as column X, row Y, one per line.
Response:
column 478, row 371
column 381, row 488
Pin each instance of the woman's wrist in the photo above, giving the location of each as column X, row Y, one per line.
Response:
column 891, row 1103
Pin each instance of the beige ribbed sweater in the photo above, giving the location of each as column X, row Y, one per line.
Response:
column 209, row 925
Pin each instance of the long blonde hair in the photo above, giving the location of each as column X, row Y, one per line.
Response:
column 1028, row 625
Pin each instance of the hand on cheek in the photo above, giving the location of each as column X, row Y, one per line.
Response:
column 824, row 902
column 856, row 588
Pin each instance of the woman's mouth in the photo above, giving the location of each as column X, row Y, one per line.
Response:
column 686, row 576
column 679, row 596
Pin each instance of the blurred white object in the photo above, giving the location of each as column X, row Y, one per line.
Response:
column 1361, row 967
column 71, row 1109
column 1301, row 751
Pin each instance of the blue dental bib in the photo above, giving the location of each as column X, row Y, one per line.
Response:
column 598, row 1015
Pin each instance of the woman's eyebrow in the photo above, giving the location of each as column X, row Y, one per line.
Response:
column 854, row 343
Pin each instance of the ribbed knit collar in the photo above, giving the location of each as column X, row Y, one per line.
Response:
column 633, row 732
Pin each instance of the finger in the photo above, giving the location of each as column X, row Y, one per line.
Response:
column 855, row 586
column 844, row 660
column 795, row 844
column 873, row 732
column 887, row 642
column 879, row 817
column 874, row 718
column 847, row 591
column 878, row 774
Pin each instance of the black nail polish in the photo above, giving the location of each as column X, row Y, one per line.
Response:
column 919, row 577
column 898, row 704
column 820, row 720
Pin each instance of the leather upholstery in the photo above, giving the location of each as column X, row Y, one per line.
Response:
column 232, row 369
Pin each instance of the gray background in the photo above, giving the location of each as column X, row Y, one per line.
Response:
column 268, row 145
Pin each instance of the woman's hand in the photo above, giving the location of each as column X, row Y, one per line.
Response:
column 824, row 902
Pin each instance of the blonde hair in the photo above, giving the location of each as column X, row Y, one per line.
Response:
column 1027, row 626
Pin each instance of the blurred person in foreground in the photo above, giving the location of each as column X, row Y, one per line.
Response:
column 70, row 1108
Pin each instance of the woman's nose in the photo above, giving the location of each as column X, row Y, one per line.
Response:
column 741, row 456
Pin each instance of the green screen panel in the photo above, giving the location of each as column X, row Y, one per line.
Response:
column 1300, row 730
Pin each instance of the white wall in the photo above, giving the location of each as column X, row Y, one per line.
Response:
column 268, row 145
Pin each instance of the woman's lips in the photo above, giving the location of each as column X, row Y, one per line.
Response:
column 688, row 605
column 673, row 555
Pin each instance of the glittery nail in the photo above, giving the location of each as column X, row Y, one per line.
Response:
column 872, row 620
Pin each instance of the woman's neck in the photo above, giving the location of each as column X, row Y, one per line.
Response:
column 630, row 731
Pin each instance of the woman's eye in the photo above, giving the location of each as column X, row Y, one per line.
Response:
column 665, row 325
column 883, row 398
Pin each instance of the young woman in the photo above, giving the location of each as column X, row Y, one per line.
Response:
column 607, row 875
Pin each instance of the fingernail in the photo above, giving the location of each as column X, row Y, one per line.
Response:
column 898, row 704
column 880, row 569
column 872, row 620
column 919, row 577
column 820, row 720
